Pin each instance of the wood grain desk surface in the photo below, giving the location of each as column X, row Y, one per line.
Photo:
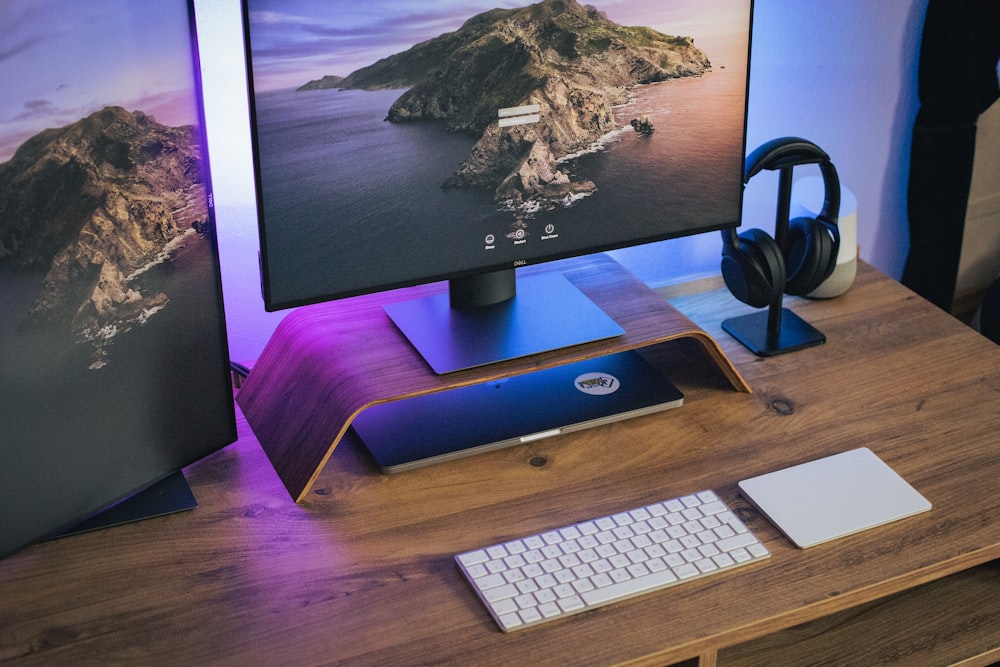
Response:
column 362, row 571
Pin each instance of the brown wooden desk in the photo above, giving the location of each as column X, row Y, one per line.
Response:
column 362, row 571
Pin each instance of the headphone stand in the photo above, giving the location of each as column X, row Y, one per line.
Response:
column 776, row 330
column 765, row 338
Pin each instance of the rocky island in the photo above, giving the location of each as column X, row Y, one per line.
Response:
column 329, row 81
column 567, row 58
column 93, row 204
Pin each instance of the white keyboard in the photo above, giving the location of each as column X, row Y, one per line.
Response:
column 564, row 571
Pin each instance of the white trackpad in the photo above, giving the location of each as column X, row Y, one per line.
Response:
column 832, row 497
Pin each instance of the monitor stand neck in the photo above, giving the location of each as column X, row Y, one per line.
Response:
column 482, row 289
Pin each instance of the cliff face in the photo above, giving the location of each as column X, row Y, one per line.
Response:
column 92, row 203
column 567, row 58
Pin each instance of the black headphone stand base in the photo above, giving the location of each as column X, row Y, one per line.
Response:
column 753, row 331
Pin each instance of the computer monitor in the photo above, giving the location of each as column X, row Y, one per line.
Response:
column 398, row 143
column 113, row 352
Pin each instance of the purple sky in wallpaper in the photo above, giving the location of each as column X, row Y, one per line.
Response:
column 61, row 61
column 294, row 39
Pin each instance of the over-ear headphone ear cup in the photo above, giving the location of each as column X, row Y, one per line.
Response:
column 768, row 253
column 753, row 268
column 809, row 257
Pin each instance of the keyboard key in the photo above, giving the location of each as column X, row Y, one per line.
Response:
column 736, row 541
column 490, row 581
column 474, row 557
column 500, row 593
column 628, row 587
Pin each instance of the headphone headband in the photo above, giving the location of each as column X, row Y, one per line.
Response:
column 787, row 152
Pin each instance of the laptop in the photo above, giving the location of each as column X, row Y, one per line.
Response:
column 409, row 433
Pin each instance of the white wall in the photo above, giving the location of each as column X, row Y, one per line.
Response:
column 226, row 116
column 841, row 73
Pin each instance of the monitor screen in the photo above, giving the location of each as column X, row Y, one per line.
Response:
column 113, row 351
column 404, row 142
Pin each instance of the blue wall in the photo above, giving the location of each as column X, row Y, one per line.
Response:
column 841, row 73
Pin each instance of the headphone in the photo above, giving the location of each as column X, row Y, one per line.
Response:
column 755, row 268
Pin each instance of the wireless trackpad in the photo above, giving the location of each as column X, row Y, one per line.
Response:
column 832, row 497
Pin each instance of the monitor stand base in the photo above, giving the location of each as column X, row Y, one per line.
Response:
column 548, row 313
column 167, row 496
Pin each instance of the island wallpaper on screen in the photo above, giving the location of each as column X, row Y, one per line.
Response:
column 380, row 133
column 112, row 341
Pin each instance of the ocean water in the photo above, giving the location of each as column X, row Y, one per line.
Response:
column 352, row 202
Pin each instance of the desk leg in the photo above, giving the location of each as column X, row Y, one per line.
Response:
column 708, row 659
